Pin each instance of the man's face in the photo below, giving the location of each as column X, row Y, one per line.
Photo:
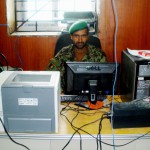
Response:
column 80, row 38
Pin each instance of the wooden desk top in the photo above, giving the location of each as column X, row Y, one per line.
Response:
column 86, row 117
column 88, row 122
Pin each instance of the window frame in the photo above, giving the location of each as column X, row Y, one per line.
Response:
column 11, row 21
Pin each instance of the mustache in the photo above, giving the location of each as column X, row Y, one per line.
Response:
column 80, row 43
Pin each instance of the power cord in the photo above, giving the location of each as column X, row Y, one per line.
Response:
column 11, row 137
column 77, row 129
column 4, row 57
column 105, row 115
column 7, row 67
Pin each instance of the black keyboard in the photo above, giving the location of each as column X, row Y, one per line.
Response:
column 79, row 98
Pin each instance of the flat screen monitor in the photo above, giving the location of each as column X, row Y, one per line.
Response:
column 91, row 78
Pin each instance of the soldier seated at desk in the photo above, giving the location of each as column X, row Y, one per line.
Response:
column 79, row 50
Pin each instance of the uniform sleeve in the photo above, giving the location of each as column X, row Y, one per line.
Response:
column 53, row 65
column 57, row 65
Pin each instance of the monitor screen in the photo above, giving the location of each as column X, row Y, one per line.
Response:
column 91, row 78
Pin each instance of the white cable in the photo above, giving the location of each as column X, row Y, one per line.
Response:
column 115, row 58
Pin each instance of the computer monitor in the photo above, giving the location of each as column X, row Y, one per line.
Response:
column 90, row 78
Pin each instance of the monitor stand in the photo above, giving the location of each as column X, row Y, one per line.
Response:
column 92, row 103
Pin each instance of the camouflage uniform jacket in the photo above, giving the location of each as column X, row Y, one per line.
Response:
column 67, row 54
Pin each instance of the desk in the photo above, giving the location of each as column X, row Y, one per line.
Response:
column 59, row 140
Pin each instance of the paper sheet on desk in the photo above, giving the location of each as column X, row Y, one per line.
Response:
column 140, row 53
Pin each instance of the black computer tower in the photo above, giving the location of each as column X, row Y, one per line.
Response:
column 135, row 77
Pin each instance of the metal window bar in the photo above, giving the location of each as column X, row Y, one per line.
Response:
column 26, row 10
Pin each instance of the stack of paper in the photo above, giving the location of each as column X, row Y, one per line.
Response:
column 140, row 53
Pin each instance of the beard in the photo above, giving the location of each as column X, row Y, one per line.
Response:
column 80, row 45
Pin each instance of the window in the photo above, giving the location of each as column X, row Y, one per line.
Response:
column 51, row 15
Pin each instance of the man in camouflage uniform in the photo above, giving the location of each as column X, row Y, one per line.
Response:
column 78, row 51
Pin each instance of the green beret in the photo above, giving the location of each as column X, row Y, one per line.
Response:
column 79, row 25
